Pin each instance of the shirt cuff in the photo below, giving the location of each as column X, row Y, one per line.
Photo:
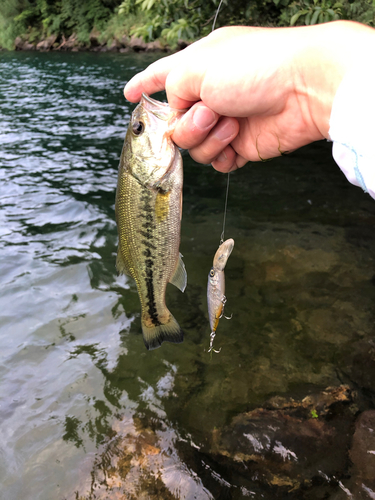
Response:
column 352, row 126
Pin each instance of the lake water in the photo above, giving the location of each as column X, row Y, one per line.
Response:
column 85, row 410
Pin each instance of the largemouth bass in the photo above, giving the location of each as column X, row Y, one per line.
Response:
column 148, row 216
column 216, row 287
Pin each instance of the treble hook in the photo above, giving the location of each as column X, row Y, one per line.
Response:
column 224, row 301
column 212, row 336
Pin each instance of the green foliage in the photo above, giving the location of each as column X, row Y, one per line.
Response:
column 58, row 17
column 120, row 25
column 167, row 20
column 317, row 12
column 8, row 29
column 308, row 12
column 172, row 20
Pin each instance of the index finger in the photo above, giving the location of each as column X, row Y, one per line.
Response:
column 174, row 74
column 149, row 81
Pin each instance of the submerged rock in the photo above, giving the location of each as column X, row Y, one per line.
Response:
column 358, row 363
column 138, row 462
column 362, row 455
column 288, row 444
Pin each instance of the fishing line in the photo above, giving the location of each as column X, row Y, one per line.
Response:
column 225, row 211
column 226, row 196
column 217, row 13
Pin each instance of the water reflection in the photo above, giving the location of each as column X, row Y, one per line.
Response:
column 85, row 410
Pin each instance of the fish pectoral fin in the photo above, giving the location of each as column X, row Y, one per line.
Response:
column 120, row 263
column 179, row 279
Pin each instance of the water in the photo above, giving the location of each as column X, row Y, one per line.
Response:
column 85, row 410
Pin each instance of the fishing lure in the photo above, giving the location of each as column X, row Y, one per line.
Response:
column 216, row 288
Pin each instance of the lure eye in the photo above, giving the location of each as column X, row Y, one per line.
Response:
column 212, row 273
column 138, row 128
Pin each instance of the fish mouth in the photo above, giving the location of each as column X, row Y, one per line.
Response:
column 161, row 110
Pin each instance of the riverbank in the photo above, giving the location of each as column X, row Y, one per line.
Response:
column 72, row 44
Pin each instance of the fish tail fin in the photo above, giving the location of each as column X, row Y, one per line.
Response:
column 155, row 335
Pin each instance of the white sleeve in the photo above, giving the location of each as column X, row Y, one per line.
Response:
column 352, row 126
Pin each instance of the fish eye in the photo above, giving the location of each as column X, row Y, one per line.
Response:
column 212, row 273
column 138, row 127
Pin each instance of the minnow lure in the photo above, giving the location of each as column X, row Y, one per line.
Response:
column 216, row 287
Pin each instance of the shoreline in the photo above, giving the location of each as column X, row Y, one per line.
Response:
column 126, row 44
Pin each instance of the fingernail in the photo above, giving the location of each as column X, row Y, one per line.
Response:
column 222, row 157
column 204, row 118
column 223, row 131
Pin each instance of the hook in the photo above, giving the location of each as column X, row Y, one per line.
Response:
column 212, row 336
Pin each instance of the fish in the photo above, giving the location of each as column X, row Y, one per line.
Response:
column 148, row 214
column 216, row 286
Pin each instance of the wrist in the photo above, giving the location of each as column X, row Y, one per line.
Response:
column 330, row 51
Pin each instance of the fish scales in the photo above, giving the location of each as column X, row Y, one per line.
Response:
column 148, row 214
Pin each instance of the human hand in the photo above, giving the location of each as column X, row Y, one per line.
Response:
column 254, row 93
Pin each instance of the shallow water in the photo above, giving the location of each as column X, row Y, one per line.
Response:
column 80, row 397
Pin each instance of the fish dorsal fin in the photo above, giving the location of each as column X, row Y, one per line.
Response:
column 179, row 279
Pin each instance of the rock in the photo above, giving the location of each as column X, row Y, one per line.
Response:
column 182, row 44
column 287, row 443
column 138, row 461
column 70, row 43
column 137, row 44
column 28, row 46
column 46, row 44
column 115, row 46
column 124, row 41
column 18, row 43
column 154, row 46
column 125, row 50
column 21, row 44
column 362, row 455
column 359, row 365
column 94, row 38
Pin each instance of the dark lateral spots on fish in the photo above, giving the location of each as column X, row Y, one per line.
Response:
column 149, row 263
column 147, row 225
column 148, row 244
column 145, row 197
column 146, row 234
column 147, row 216
column 151, row 304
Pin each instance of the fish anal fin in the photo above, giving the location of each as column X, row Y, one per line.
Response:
column 154, row 336
column 179, row 278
